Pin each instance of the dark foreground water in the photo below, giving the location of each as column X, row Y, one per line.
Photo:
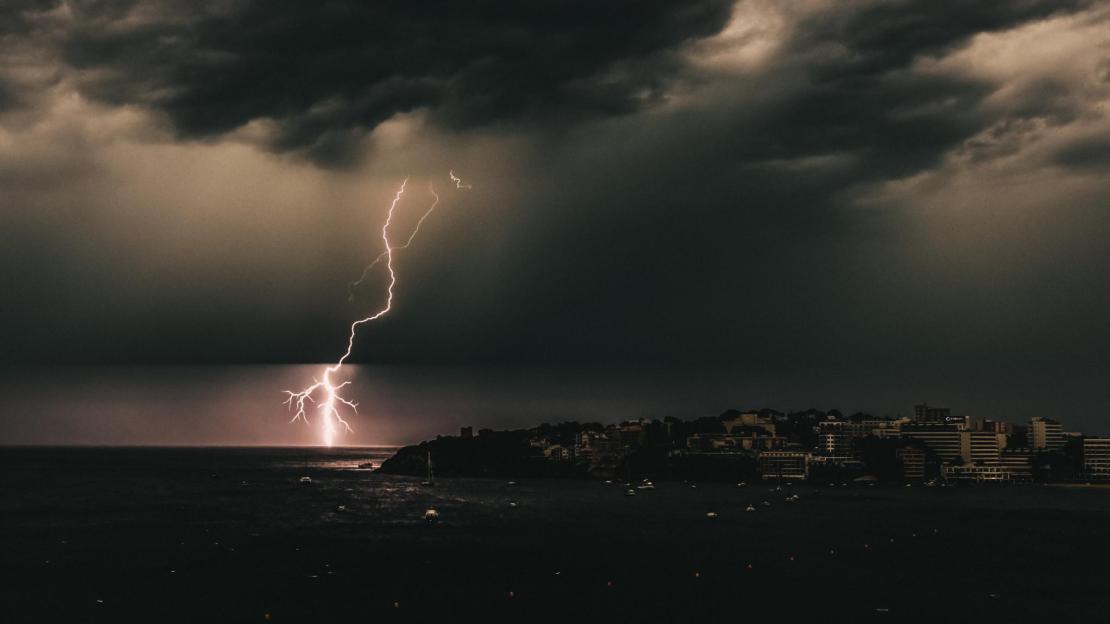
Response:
column 211, row 535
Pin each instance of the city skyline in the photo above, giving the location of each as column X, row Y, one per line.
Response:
column 931, row 447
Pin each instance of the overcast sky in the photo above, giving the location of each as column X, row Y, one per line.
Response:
column 916, row 187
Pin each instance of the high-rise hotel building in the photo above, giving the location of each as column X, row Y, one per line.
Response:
column 1046, row 434
column 944, row 440
column 1096, row 455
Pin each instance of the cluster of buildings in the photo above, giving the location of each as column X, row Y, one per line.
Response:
column 984, row 450
column 935, row 444
column 930, row 445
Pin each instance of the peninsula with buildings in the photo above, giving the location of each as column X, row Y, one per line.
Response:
column 932, row 446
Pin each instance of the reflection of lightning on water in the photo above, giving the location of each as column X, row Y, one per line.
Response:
column 329, row 405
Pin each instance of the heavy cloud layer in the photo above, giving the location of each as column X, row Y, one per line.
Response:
column 821, row 186
column 328, row 72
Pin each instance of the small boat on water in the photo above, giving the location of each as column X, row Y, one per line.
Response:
column 306, row 480
column 430, row 481
column 367, row 465
column 711, row 514
column 514, row 503
column 341, row 508
column 431, row 516
column 750, row 508
column 646, row 484
column 766, row 503
column 630, row 493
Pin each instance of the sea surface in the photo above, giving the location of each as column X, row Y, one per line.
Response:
column 231, row 534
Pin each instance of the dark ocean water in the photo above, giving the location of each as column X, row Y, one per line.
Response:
column 219, row 534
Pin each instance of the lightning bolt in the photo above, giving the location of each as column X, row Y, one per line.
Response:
column 458, row 183
column 416, row 230
column 324, row 391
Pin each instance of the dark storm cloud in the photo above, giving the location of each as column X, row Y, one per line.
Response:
column 15, row 16
column 859, row 98
column 7, row 96
column 733, row 237
column 724, row 228
column 881, row 36
column 327, row 72
column 1091, row 153
column 18, row 29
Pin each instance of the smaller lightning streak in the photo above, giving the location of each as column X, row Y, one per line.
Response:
column 458, row 182
column 416, row 230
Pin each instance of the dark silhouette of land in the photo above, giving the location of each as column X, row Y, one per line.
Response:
column 932, row 447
